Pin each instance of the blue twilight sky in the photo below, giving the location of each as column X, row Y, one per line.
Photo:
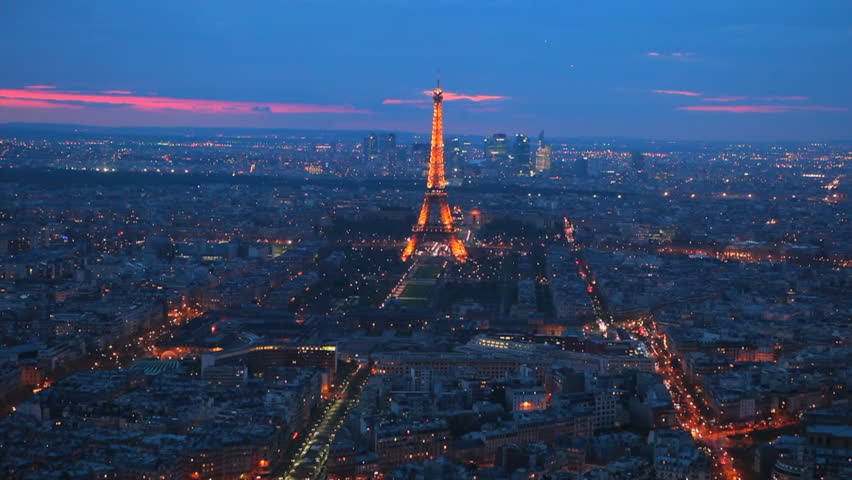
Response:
column 685, row 69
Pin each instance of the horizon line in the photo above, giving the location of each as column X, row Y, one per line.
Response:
column 366, row 130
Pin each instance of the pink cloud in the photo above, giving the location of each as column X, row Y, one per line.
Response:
column 679, row 92
column 725, row 98
column 397, row 101
column 20, row 103
column 40, row 87
column 449, row 96
column 483, row 109
column 146, row 103
column 118, row 92
column 675, row 55
column 787, row 98
column 759, row 108
column 735, row 98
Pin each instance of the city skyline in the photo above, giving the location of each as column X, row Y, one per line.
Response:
column 231, row 247
column 660, row 71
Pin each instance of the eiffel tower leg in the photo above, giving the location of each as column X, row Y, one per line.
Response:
column 457, row 247
column 446, row 216
column 424, row 212
column 409, row 248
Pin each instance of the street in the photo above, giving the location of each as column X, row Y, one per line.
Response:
column 691, row 413
column 309, row 461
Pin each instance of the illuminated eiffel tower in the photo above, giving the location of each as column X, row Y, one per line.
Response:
column 435, row 223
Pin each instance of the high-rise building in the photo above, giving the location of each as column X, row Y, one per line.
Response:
column 521, row 154
column 542, row 158
column 371, row 147
column 456, row 155
column 387, row 148
column 542, row 154
column 435, row 222
column 387, row 143
column 497, row 148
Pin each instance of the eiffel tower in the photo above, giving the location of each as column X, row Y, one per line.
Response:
column 435, row 223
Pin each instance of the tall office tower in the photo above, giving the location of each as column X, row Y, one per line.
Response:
column 371, row 147
column 497, row 148
column 387, row 148
column 456, row 156
column 435, row 223
column 542, row 154
column 521, row 154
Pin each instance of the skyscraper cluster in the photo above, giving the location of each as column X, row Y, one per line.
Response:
column 499, row 155
column 381, row 149
column 517, row 157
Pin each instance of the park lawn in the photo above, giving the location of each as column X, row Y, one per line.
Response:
column 410, row 303
column 430, row 271
column 417, row 291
